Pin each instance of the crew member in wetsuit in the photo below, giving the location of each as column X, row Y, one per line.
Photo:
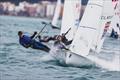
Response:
column 47, row 38
column 114, row 34
column 63, row 39
column 28, row 41
column 58, row 43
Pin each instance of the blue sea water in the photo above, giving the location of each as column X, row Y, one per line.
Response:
column 18, row 63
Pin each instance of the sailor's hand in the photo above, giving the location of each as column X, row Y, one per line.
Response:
column 63, row 34
column 39, row 36
column 66, row 48
column 35, row 32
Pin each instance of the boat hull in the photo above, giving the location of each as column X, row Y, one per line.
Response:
column 76, row 60
column 91, row 60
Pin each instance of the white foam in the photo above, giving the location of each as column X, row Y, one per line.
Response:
column 113, row 65
column 47, row 57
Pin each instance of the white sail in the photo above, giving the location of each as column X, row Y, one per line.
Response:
column 115, row 2
column 87, row 29
column 70, row 17
column 115, row 21
column 105, row 21
column 57, row 13
column 116, row 18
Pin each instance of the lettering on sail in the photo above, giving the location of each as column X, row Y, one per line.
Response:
column 106, row 17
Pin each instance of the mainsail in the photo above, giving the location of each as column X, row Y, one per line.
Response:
column 70, row 18
column 104, row 24
column 116, row 18
column 57, row 13
column 87, row 28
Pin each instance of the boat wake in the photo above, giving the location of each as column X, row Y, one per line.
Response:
column 47, row 58
column 113, row 65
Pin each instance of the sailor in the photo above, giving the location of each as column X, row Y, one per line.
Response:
column 118, row 26
column 115, row 34
column 57, row 50
column 28, row 41
column 63, row 39
column 112, row 33
column 58, row 43
column 47, row 38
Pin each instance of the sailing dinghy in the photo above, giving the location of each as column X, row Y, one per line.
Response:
column 90, row 25
column 84, row 36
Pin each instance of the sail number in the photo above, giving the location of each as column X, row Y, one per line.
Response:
column 106, row 17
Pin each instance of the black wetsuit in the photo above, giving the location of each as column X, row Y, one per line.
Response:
column 114, row 34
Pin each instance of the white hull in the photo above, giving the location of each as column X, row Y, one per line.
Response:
column 111, row 63
column 77, row 60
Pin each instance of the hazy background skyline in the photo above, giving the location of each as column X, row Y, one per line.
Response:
column 84, row 2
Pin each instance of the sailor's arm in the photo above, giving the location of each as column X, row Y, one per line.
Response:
column 47, row 39
column 33, row 35
column 68, row 42
column 64, row 47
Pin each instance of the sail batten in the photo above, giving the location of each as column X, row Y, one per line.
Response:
column 95, row 4
column 88, row 27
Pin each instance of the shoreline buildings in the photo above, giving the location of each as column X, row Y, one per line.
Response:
column 41, row 9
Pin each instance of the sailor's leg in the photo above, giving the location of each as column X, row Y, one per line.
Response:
column 40, row 46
